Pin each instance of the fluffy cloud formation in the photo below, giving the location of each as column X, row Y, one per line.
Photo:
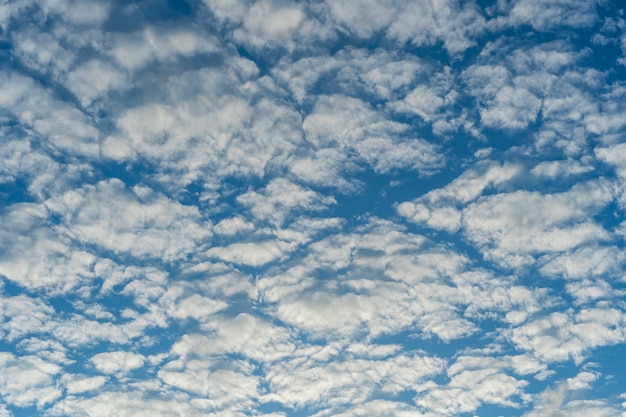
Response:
column 272, row 208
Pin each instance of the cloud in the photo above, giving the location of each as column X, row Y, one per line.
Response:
column 388, row 281
column 352, row 126
column 37, row 110
column 546, row 16
column 558, row 402
column 253, row 254
column 510, row 226
column 439, row 208
column 135, row 50
column 281, row 198
column 567, row 335
column 36, row 257
column 118, row 363
column 27, row 380
column 560, row 169
column 582, row 381
column 352, row 379
column 152, row 225
column 454, row 25
column 93, row 79
column 245, row 208
column 80, row 385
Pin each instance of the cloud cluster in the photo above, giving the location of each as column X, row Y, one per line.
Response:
column 271, row 208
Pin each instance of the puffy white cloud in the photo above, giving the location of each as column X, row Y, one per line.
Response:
column 221, row 388
column 420, row 23
column 233, row 225
column 508, row 227
column 561, row 169
column 281, row 198
column 80, row 384
column 439, row 208
column 511, row 108
column 151, row 224
column 385, row 281
column 38, row 110
column 27, row 380
column 582, row 381
column 352, row 126
column 118, row 363
column 126, row 404
column 22, row 315
column 135, row 50
column 93, row 79
column 196, row 306
column 243, row 334
column 218, row 120
column 559, row 402
column 222, row 277
column 567, row 335
column 583, row 263
column 381, row 408
column 35, row 256
column 326, row 376
column 251, row 253
column 546, row 15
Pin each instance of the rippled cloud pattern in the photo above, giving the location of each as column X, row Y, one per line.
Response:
column 366, row 208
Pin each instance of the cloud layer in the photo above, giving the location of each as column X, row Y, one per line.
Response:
column 272, row 208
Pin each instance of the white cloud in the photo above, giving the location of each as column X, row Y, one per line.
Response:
column 220, row 389
column 353, row 71
column 467, row 390
column 511, row 108
column 582, row 381
column 118, row 363
column 421, row 23
column 334, row 380
column 152, row 225
column 233, row 225
column 509, row 227
column 36, row 257
column 196, row 306
column 93, row 79
column 270, row 21
column 353, row 126
column 560, row 169
column 439, row 208
column 385, row 281
column 37, row 110
column 79, row 384
column 243, row 334
column 27, row 380
column 126, row 404
column 221, row 277
column 586, row 262
column 42, row 52
column 251, row 253
column 558, row 402
column 282, row 198
column 381, row 408
column 564, row 335
column 22, row 315
column 135, row 50
column 546, row 15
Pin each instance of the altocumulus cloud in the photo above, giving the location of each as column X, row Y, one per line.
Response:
column 325, row 208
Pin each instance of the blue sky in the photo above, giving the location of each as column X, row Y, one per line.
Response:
column 333, row 208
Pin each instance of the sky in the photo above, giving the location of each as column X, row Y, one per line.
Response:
column 364, row 208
